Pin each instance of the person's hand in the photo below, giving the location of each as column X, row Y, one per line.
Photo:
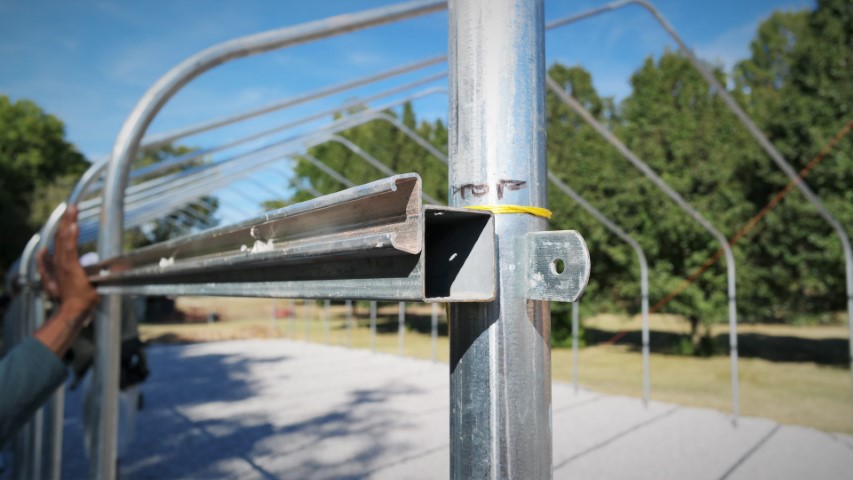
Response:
column 62, row 276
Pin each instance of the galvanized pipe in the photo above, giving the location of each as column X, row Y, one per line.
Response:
column 644, row 272
column 106, row 371
column 27, row 442
column 195, row 155
column 158, row 140
column 575, row 347
column 679, row 200
column 401, row 328
column 291, row 305
column 373, row 327
column 326, row 312
column 348, row 306
column 156, row 187
column 434, row 332
column 307, row 311
column 500, row 359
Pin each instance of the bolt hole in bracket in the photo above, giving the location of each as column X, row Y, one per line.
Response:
column 558, row 265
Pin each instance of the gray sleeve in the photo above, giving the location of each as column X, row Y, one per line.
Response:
column 29, row 374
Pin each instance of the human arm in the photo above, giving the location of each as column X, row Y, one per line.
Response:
column 65, row 280
column 32, row 370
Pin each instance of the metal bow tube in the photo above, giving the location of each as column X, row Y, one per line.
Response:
column 156, row 140
column 679, row 200
column 157, row 188
column 110, row 241
column 190, row 157
column 753, row 130
column 644, row 284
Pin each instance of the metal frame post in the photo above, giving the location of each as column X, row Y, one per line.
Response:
column 500, row 358
column 291, row 305
column 753, row 130
column 106, row 364
column 327, row 304
column 644, row 272
column 434, row 332
column 401, row 328
column 575, row 346
column 348, row 321
column 273, row 328
column 307, row 306
column 679, row 200
column 373, row 327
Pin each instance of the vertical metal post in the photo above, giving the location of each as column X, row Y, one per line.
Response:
column 647, row 384
column 500, row 358
column 401, row 327
column 110, row 240
column 307, row 307
column 273, row 313
column 434, row 332
column 349, row 322
column 575, row 346
column 28, row 443
column 731, row 288
column 52, row 449
column 644, row 271
column 291, row 308
column 373, row 327
column 327, row 304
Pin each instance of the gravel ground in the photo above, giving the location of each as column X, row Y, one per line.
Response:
column 284, row 409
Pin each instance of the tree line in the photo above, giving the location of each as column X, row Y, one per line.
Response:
column 797, row 84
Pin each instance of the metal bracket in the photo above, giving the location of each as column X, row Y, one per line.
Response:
column 373, row 242
column 558, row 265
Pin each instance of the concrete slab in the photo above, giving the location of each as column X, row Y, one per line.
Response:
column 285, row 409
column 797, row 452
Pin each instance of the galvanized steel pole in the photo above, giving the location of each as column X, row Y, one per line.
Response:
column 644, row 272
column 575, row 346
column 291, row 305
column 108, row 336
column 326, row 312
column 348, row 321
column 434, row 332
column 500, row 358
column 401, row 327
column 373, row 327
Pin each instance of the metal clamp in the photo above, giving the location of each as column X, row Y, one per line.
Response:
column 558, row 265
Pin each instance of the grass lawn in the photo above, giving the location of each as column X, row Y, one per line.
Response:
column 792, row 392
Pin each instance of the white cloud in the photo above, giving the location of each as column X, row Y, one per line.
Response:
column 729, row 47
column 361, row 58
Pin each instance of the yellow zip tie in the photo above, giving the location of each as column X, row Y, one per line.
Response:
column 501, row 209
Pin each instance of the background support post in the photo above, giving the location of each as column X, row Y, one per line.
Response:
column 401, row 327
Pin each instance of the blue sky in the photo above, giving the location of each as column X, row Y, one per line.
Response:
column 88, row 62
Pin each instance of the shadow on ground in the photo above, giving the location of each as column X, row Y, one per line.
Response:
column 202, row 420
column 775, row 348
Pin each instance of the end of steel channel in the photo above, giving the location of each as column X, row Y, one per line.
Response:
column 375, row 242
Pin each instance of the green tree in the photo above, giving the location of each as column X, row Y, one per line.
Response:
column 578, row 156
column 800, row 75
column 33, row 155
column 387, row 144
